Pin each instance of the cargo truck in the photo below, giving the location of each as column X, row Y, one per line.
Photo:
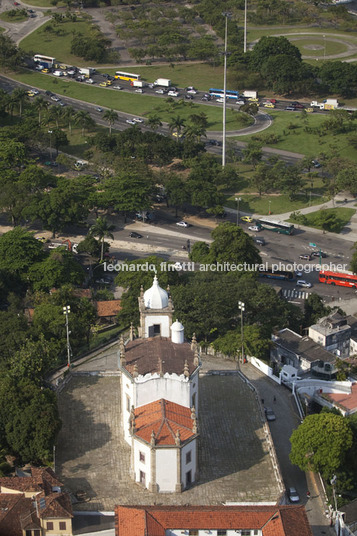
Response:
column 87, row 71
column 165, row 82
column 137, row 83
column 328, row 104
column 250, row 94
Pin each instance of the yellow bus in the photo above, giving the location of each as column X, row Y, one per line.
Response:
column 127, row 76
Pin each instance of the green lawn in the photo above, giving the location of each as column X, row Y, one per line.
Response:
column 129, row 102
column 200, row 75
column 328, row 47
column 58, row 45
column 279, row 204
column 344, row 215
column 19, row 17
column 300, row 141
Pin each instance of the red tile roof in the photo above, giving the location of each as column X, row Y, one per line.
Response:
column 165, row 419
column 347, row 401
column 155, row 520
column 108, row 308
column 43, row 478
column 17, row 514
column 145, row 353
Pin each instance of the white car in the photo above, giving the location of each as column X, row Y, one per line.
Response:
column 255, row 228
column 183, row 223
column 138, row 120
column 240, row 101
column 89, row 81
column 57, row 73
column 293, row 495
column 173, row 94
column 117, row 87
column 220, row 99
column 139, row 90
column 191, row 91
column 130, row 121
column 55, row 98
column 160, row 91
column 303, row 283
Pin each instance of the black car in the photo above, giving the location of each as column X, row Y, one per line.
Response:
column 49, row 93
column 189, row 97
column 318, row 253
column 135, row 235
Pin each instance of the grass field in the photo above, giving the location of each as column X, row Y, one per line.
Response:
column 19, row 17
column 298, row 140
column 130, row 103
column 199, row 75
column 327, row 47
column 58, row 45
column 344, row 215
column 278, row 204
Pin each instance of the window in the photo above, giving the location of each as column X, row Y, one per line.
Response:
column 245, row 533
column 62, row 525
column 193, row 400
column 193, row 532
column 221, row 532
column 142, row 457
column 128, row 407
column 157, row 329
column 142, row 478
column 49, row 525
column 188, row 456
column 188, row 478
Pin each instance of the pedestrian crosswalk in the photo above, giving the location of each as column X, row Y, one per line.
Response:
column 295, row 294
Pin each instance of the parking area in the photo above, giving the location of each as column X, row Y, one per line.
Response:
column 92, row 457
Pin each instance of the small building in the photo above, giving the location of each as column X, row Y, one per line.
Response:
column 108, row 310
column 258, row 520
column 34, row 505
column 302, row 353
column 333, row 334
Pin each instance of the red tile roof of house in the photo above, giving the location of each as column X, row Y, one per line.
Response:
column 165, row 419
column 17, row 514
column 108, row 308
column 41, row 479
column 155, row 520
column 347, row 401
column 145, row 353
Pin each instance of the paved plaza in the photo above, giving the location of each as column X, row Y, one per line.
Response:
column 234, row 459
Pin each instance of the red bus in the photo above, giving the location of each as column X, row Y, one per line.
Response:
column 343, row 279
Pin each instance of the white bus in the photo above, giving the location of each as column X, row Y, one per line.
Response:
column 45, row 60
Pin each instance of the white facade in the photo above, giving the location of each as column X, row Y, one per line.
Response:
column 156, row 324
column 127, row 401
column 166, row 468
column 141, row 462
column 213, row 532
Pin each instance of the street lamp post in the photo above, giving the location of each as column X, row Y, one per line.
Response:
column 245, row 26
column 241, row 307
column 226, row 14
column 50, row 133
column 66, row 311
column 238, row 199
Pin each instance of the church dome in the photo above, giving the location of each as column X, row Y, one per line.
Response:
column 156, row 297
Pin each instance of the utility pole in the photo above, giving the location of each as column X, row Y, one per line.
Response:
column 241, row 306
column 226, row 14
column 245, row 26
column 66, row 311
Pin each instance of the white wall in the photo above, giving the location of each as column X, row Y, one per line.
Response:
column 317, row 336
column 171, row 387
column 268, row 371
column 191, row 466
column 127, row 388
column 142, row 466
column 166, row 469
column 206, row 532
column 163, row 320
column 194, row 391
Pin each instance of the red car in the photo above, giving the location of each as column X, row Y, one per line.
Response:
column 273, row 101
column 16, row 4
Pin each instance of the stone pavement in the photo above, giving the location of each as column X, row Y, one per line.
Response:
column 234, row 459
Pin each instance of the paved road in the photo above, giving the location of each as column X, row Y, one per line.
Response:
column 287, row 420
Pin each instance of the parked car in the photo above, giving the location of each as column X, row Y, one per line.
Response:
column 183, row 223
column 315, row 163
column 247, row 219
column 303, row 283
column 133, row 234
column 305, row 256
column 255, row 228
column 293, row 495
column 260, row 241
column 269, row 413
column 318, row 253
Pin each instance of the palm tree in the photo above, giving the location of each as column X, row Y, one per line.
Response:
column 19, row 95
column 40, row 104
column 102, row 230
column 194, row 131
column 83, row 119
column 176, row 124
column 55, row 114
column 110, row 116
column 68, row 114
column 154, row 121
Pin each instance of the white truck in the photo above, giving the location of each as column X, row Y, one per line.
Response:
column 164, row 82
column 87, row 71
column 250, row 94
column 137, row 83
column 328, row 104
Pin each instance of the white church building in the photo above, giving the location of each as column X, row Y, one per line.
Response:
column 159, row 397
